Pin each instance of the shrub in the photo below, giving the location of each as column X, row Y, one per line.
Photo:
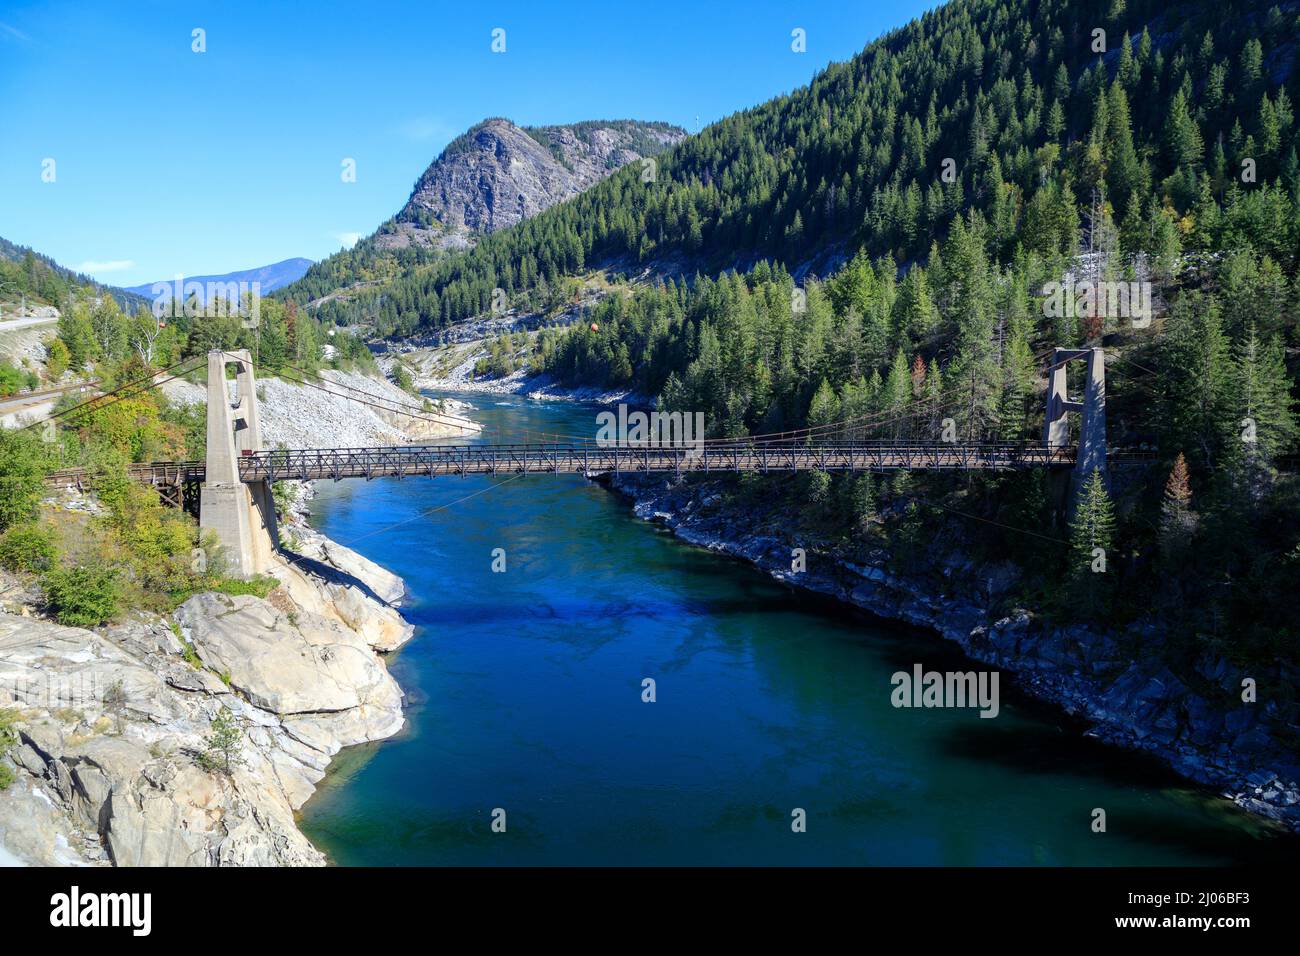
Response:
column 56, row 358
column 22, row 476
column 15, row 379
column 83, row 596
column 28, row 547
column 8, row 737
column 260, row 586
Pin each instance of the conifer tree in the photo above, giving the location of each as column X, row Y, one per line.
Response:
column 1177, row 520
column 823, row 410
column 1194, row 380
column 1261, row 396
column 1182, row 136
column 898, row 393
column 1091, row 534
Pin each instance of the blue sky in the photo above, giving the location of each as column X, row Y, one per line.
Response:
column 167, row 160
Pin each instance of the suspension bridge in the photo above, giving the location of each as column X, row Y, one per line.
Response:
column 231, row 487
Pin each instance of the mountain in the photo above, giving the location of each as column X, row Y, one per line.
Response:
column 497, row 174
column 946, row 180
column 272, row 277
column 42, row 281
column 956, row 112
column 489, row 178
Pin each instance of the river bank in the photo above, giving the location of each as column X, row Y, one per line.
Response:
column 1129, row 699
column 450, row 368
column 109, row 725
column 543, row 604
column 104, row 730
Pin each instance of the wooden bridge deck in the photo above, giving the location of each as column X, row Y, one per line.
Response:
column 592, row 459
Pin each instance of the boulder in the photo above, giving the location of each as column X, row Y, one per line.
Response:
column 287, row 663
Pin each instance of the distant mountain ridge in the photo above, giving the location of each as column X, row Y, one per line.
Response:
column 43, row 281
column 271, row 277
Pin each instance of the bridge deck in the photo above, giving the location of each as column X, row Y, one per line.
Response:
column 591, row 459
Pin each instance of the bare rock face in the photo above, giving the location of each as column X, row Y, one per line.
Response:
column 351, row 588
column 498, row 173
column 110, row 726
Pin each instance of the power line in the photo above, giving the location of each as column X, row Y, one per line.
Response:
column 147, row 382
column 415, row 409
column 975, row 517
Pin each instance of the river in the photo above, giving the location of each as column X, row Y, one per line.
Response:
column 525, row 694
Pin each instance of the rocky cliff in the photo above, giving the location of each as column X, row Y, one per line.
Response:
column 349, row 409
column 498, row 173
column 109, row 726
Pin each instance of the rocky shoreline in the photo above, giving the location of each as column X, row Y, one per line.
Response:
column 110, row 723
column 1129, row 700
column 451, row 368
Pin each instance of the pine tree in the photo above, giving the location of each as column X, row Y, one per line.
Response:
column 1019, row 379
column 1182, row 136
column 823, row 410
column 1261, row 395
column 1194, row 381
column 863, row 501
column 898, row 393
column 224, row 744
column 1124, row 173
column 914, row 312
column 1055, row 125
column 1177, row 520
column 1091, row 534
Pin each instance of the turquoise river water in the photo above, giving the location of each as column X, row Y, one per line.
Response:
column 525, row 693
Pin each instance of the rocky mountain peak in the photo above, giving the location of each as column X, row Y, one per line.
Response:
column 497, row 173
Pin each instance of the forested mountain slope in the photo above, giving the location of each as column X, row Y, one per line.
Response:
column 1028, row 112
column 1106, row 143
column 489, row 178
column 26, row 273
column 940, row 182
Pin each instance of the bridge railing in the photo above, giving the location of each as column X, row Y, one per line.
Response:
column 557, row 457
column 593, row 458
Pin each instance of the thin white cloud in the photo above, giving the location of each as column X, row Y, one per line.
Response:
column 349, row 239
column 7, row 30
column 91, row 266
column 421, row 128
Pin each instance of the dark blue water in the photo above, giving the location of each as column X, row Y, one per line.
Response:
column 525, row 694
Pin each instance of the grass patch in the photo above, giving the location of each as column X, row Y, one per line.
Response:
column 260, row 586
column 187, row 649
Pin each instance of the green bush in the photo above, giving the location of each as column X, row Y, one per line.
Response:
column 22, row 475
column 8, row 737
column 83, row 596
column 260, row 586
column 28, row 547
column 15, row 379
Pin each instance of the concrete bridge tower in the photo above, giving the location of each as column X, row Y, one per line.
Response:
column 1092, row 428
column 241, row 515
